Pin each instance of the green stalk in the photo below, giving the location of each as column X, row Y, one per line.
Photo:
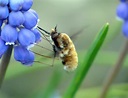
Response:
column 114, row 71
column 4, row 63
column 88, row 60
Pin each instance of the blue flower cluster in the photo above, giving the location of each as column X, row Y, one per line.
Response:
column 122, row 13
column 18, row 28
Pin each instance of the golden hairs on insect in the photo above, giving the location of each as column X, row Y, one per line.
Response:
column 65, row 49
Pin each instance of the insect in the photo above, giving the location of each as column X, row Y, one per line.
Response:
column 64, row 48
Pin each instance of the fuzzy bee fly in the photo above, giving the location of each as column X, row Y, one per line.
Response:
column 64, row 48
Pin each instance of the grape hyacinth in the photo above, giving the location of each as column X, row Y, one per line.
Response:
column 122, row 14
column 18, row 28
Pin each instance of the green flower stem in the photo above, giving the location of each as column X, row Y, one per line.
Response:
column 4, row 63
column 114, row 71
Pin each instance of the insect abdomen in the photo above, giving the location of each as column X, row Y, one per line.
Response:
column 70, row 62
column 68, row 54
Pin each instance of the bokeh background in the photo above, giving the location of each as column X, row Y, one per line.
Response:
column 71, row 16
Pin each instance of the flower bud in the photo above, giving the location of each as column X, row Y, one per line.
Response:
column 34, row 12
column 122, row 11
column 37, row 35
column 16, row 18
column 29, row 59
column 4, row 12
column 9, row 34
column 16, row 5
column 26, row 37
column 23, row 55
column 30, row 20
column 27, row 5
column 3, row 2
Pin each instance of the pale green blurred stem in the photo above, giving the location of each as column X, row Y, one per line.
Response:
column 114, row 71
column 4, row 63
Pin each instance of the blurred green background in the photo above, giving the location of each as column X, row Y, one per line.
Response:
column 71, row 16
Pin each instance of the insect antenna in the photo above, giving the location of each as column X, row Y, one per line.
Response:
column 56, row 28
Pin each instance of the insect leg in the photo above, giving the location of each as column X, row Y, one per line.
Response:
column 55, row 53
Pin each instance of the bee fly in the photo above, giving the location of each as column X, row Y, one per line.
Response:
column 64, row 48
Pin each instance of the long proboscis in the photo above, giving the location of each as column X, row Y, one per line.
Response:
column 43, row 30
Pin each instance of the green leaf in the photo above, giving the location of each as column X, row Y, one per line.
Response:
column 88, row 60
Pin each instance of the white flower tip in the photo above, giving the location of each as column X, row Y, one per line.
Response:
column 120, row 19
column 30, row 46
column 35, row 27
column 9, row 43
column 38, row 20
